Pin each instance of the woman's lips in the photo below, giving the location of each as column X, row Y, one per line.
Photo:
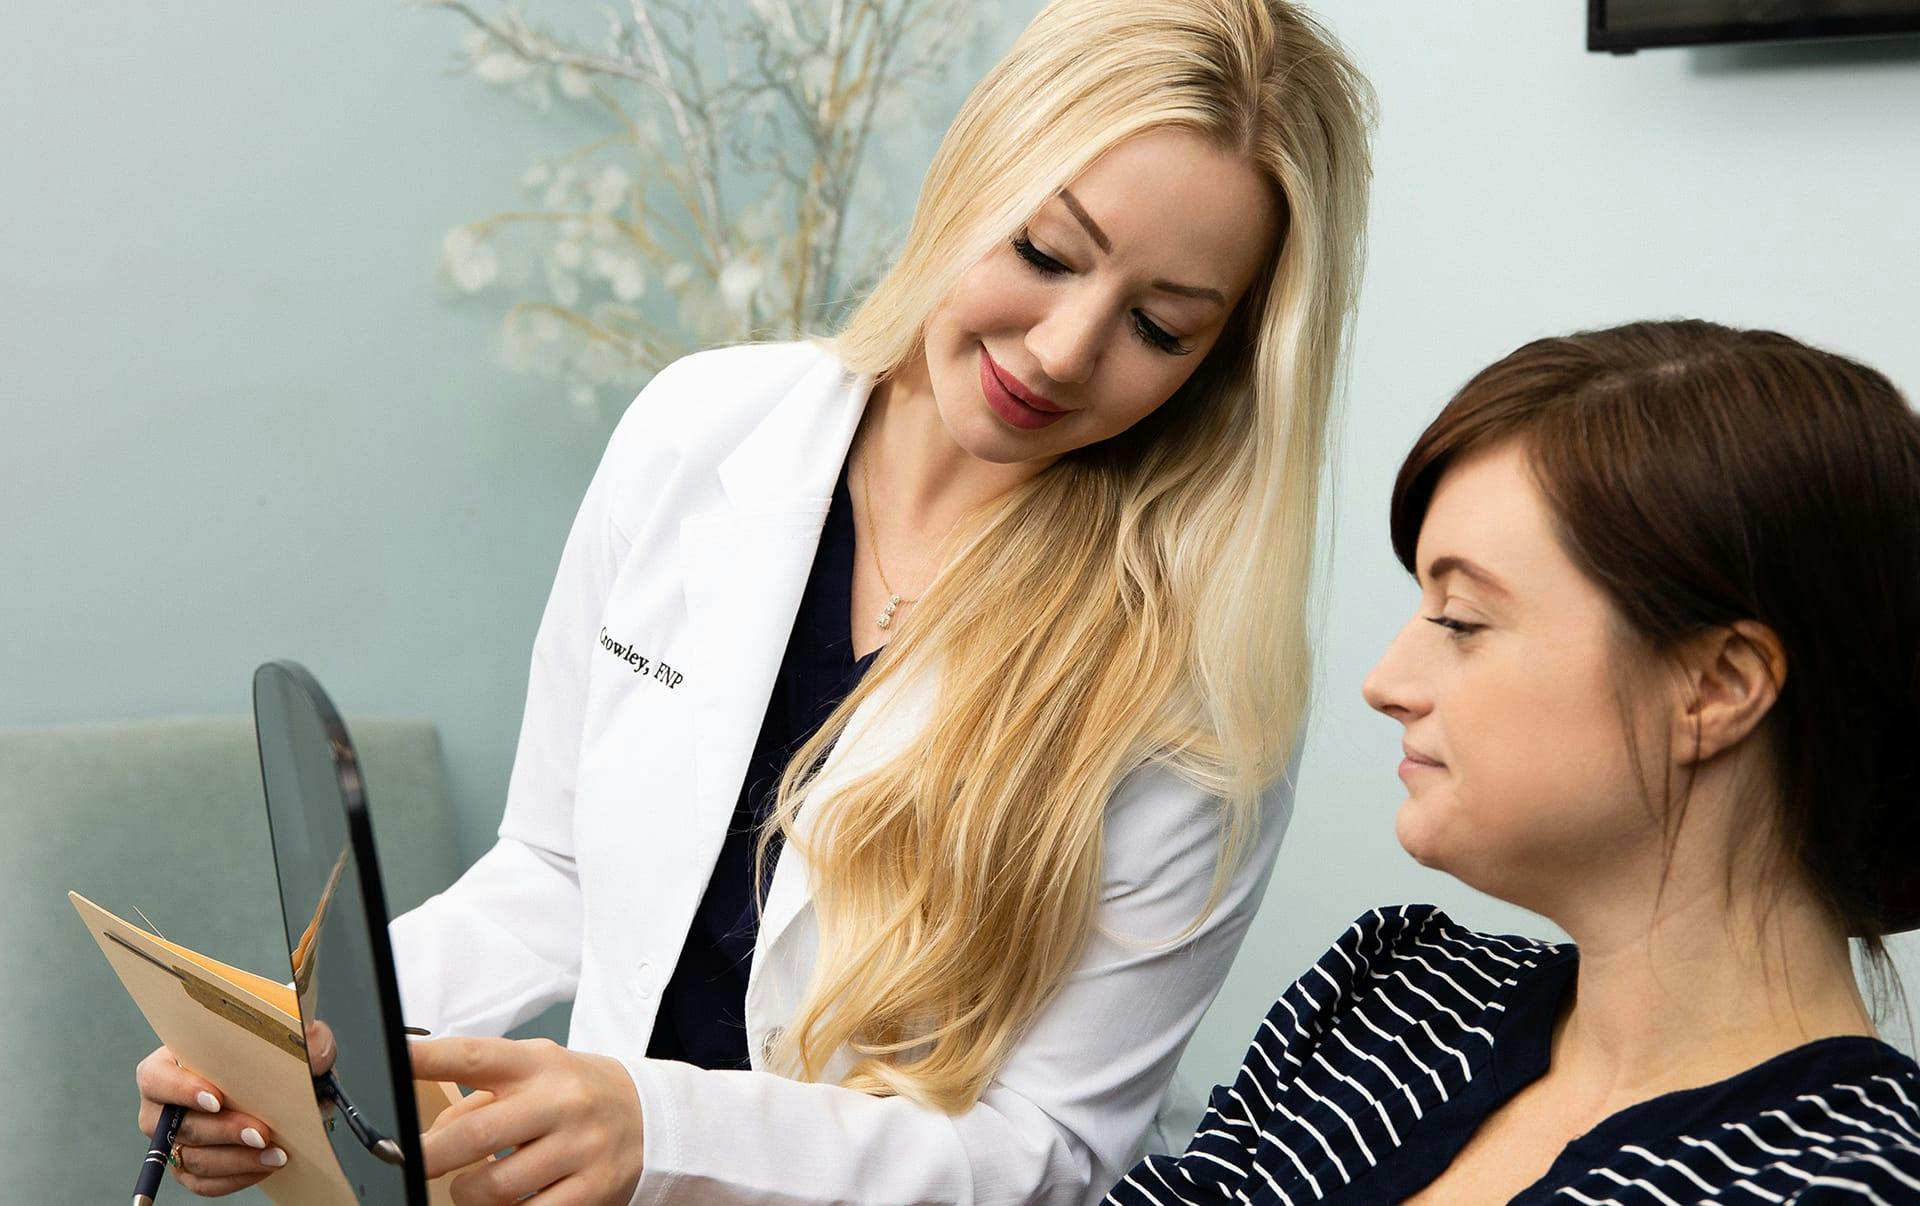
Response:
column 1416, row 761
column 1013, row 401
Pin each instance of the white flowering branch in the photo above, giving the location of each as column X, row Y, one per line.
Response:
column 778, row 103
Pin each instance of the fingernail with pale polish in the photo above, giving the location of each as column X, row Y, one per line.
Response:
column 273, row 1157
column 252, row 1138
column 209, row 1103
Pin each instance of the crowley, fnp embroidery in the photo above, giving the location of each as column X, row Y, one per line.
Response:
column 660, row 672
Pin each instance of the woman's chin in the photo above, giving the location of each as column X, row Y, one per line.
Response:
column 972, row 426
column 1417, row 829
column 1435, row 835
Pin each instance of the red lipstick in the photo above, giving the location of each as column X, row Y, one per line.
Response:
column 1012, row 400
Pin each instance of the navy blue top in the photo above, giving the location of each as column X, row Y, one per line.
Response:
column 1376, row 1067
column 702, row 1018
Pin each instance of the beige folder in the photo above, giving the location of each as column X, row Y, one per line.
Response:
column 242, row 1032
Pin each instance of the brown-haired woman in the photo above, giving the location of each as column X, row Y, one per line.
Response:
column 1661, row 689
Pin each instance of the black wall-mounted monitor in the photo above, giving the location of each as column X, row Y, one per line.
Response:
column 1624, row 26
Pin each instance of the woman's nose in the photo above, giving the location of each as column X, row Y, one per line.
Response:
column 1391, row 687
column 1066, row 342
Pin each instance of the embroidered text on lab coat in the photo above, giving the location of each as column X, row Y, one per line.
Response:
column 660, row 672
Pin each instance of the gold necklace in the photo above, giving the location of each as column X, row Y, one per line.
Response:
column 873, row 546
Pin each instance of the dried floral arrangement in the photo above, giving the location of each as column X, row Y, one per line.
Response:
column 724, row 202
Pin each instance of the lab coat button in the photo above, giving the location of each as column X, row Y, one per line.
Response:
column 768, row 1042
column 643, row 979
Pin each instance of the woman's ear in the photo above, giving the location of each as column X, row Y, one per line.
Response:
column 1734, row 676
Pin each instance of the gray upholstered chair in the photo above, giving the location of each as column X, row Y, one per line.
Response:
column 166, row 816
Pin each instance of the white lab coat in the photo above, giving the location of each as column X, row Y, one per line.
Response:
column 651, row 671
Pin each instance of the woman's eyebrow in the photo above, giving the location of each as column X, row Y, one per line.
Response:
column 1099, row 236
column 1105, row 244
column 1199, row 291
column 1442, row 566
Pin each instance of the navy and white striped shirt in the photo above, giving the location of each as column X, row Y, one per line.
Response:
column 1375, row 1068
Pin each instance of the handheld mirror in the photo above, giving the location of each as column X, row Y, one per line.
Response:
column 336, row 920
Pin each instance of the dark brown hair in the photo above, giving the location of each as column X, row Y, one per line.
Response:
column 1703, row 475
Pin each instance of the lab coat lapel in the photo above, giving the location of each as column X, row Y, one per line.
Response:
column 879, row 729
column 745, row 567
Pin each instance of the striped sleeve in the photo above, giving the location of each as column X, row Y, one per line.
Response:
column 1243, row 1138
column 1220, row 1160
column 1887, row 1177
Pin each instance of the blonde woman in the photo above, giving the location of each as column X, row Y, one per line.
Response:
column 907, row 735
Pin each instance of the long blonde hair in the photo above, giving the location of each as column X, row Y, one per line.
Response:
column 1160, row 578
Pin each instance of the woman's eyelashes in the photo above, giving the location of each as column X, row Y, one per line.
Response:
column 1148, row 332
column 1041, row 262
column 1154, row 337
column 1457, row 630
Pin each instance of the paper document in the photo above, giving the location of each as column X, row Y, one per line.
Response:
column 242, row 1032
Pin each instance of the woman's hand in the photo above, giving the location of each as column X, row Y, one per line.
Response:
column 572, row 1119
column 220, row 1150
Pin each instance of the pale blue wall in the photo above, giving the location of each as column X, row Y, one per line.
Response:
column 236, row 422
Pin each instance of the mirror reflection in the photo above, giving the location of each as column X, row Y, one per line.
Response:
column 313, row 788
